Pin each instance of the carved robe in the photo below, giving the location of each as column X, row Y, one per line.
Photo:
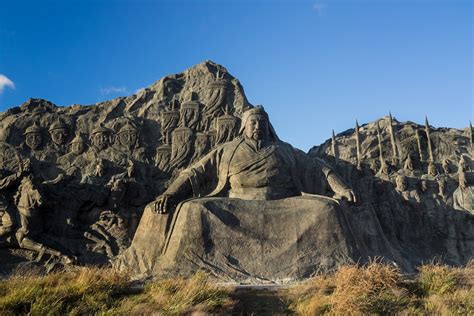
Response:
column 274, row 172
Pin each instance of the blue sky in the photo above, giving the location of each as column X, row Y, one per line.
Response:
column 314, row 65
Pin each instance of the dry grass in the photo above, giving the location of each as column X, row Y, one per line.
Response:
column 77, row 291
column 89, row 291
column 179, row 296
column 352, row 290
column 381, row 289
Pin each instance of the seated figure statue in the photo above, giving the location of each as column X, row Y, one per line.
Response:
column 247, row 210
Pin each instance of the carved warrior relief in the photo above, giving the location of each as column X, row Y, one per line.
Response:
column 169, row 121
column 182, row 147
column 33, row 137
column 217, row 96
column 163, row 157
column 227, row 128
column 190, row 113
column 201, row 146
column 419, row 153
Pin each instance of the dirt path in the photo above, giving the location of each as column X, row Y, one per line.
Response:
column 260, row 300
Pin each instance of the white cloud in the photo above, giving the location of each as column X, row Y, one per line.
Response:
column 5, row 83
column 318, row 7
column 111, row 90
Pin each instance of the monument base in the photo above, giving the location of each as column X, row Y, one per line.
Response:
column 242, row 240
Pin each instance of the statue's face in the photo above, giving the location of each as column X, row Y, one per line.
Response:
column 401, row 183
column 256, row 127
column 77, row 148
column 128, row 139
column 59, row 136
column 33, row 140
column 432, row 170
column 100, row 140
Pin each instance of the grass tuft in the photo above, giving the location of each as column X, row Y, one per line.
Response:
column 378, row 288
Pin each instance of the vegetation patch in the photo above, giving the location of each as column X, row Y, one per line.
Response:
column 375, row 288
column 382, row 289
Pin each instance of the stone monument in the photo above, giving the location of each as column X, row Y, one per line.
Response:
column 186, row 174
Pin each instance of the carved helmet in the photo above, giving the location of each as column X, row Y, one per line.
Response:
column 101, row 129
column 32, row 129
column 57, row 125
column 128, row 127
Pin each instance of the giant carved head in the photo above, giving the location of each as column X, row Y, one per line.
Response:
column 33, row 138
column 100, row 137
column 256, row 125
column 59, row 133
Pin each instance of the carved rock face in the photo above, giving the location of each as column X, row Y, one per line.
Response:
column 401, row 182
column 128, row 139
column 78, row 148
column 33, row 140
column 256, row 127
column 59, row 136
column 100, row 140
column 163, row 155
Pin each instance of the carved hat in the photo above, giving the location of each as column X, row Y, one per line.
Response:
column 101, row 129
column 32, row 129
column 58, row 125
column 257, row 110
column 227, row 118
column 127, row 128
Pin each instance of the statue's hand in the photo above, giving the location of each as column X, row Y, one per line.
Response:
column 349, row 195
column 162, row 205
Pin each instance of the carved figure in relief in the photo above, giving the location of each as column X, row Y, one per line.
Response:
column 182, row 147
column 446, row 166
column 163, row 157
column 462, row 164
column 59, row 133
column 190, row 114
column 33, row 137
column 101, row 138
column 73, row 163
column 101, row 155
column 11, row 171
column 227, row 128
column 201, row 145
column 402, row 188
column 129, row 141
column 109, row 234
column 217, row 96
column 169, row 120
column 128, row 137
column 463, row 196
column 432, row 170
column 29, row 200
column 408, row 165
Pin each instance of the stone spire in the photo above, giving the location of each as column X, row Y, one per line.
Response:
column 428, row 139
column 357, row 136
column 383, row 166
column 334, row 145
column 471, row 135
column 418, row 142
column 392, row 140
